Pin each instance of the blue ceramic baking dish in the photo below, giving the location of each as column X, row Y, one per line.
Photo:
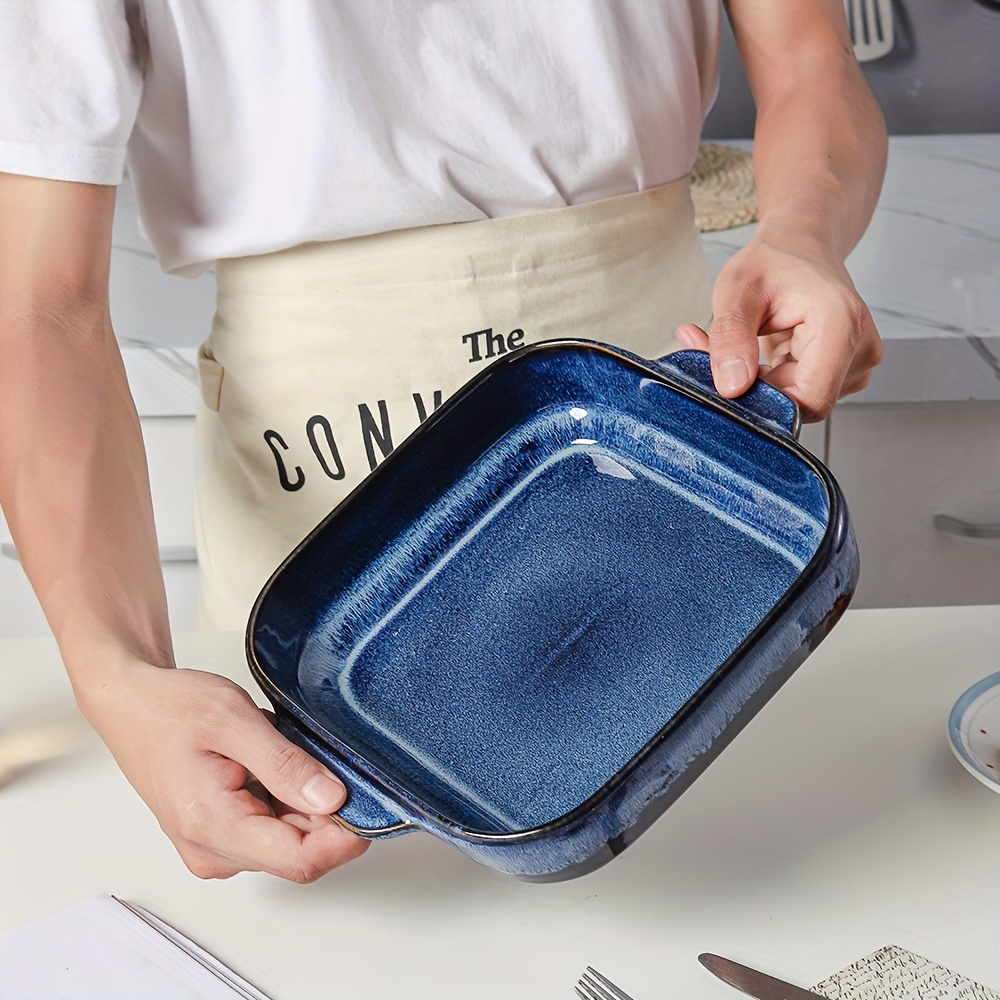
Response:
column 533, row 626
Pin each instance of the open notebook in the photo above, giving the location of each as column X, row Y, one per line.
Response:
column 108, row 949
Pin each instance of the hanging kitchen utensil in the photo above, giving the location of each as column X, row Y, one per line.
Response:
column 871, row 25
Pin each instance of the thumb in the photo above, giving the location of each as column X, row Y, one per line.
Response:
column 286, row 771
column 732, row 339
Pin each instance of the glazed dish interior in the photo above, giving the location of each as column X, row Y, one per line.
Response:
column 541, row 585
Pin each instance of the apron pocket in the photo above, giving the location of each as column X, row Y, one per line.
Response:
column 210, row 376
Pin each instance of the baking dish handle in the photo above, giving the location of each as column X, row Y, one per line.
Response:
column 762, row 403
column 367, row 812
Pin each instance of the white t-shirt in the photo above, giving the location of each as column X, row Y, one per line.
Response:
column 255, row 125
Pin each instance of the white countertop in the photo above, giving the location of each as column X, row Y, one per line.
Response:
column 929, row 269
column 836, row 823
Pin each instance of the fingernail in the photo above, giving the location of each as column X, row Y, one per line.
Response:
column 732, row 375
column 323, row 792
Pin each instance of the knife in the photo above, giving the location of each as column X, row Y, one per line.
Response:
column 755, row 983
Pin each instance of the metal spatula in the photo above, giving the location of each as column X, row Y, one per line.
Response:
column 870, row 22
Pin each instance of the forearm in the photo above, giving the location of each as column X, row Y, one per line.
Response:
column 820, row 139
column 824, row 177
column 74, row 491
column 73, row 481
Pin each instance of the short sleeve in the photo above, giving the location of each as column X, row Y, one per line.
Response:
column 71, row 86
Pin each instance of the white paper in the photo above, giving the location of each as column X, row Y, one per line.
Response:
column 103, row 948
column 893, row 973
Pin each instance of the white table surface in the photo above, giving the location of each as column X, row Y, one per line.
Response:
column 836, row 823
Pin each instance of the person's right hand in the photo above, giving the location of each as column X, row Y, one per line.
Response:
column 230, row 792
column 228, row 789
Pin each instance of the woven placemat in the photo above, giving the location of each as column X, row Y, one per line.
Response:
column 893, row 973
column 722, row 187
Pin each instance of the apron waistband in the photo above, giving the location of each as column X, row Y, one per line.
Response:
column 576, row 236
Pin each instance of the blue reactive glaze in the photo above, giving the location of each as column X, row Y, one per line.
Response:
column 542, row 616
column 509, row 631
column 762, row 402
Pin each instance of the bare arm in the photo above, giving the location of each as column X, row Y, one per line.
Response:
column 819, row 159
column 72, row 468
column 75, row 491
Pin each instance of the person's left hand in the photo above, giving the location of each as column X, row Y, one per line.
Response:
column 230, row 791
column 788, row 307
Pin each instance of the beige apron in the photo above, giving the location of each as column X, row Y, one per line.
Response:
column 323, row 358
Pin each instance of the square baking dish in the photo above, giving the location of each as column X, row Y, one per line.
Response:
column 554, row 604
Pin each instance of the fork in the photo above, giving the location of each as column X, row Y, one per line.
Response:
column 594, row 986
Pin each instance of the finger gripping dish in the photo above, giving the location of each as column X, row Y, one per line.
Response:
column 554, row 604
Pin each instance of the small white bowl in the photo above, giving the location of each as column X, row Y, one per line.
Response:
column 974, row 730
